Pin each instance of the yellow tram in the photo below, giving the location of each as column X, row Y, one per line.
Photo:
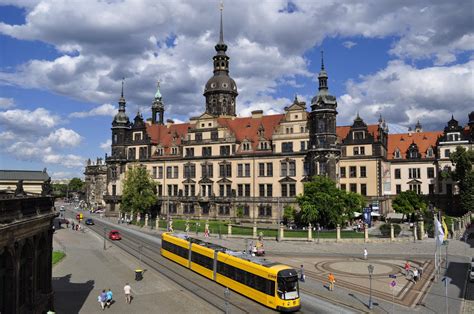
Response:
column 271, row 284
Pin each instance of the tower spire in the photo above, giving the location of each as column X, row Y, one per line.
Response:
column 221, row 35
column 322, row 60
column 123, row 79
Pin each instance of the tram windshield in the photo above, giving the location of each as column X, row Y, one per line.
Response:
column 288, row 288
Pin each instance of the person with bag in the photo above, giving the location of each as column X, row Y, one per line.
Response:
column 302, row 276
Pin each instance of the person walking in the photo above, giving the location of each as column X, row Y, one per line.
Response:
column 415, row 275
column 109, row 298
column 302, row 276
column 365, row 253
column 103, row 299
column 332, row 280
column 127, row 290
column 407, row 268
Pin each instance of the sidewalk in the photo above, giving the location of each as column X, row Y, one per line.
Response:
column 87, row 269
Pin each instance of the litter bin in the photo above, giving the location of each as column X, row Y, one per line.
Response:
column 138, row 274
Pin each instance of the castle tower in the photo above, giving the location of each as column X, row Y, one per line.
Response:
column 157, row 107
column 220, row 90
column 324, row 150
column 120, row 124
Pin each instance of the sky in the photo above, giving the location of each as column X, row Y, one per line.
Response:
column 62, row 64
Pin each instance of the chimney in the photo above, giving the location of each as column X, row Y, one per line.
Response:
column 169, row 122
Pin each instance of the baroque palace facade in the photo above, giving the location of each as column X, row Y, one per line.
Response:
column 218, row 162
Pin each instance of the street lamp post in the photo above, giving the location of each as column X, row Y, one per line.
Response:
column 319, row 227
column 105, row 238
column 227, row 295
column 371, row 271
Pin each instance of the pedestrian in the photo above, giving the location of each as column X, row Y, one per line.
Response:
column 332, row 280
column 407, row 268
column 127, row 290
column 67, row 223
column 415, row 275
column 73, row 226
column 77, row 227
column 109, row 298
column 420, row 272
column 302, row 276
column 365, row 253
column 103, row 299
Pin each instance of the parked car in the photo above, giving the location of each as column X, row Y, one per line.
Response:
column 90, row 222
column 115, row 235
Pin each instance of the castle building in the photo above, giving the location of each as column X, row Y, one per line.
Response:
column 95, row 182
column 217, row 162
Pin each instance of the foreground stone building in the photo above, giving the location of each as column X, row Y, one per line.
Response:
column 26, row 237
column 95, row 182
column 218, row 162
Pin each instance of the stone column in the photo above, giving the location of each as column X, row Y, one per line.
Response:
column 310, row 232
column 452, row 229
column 281, row 230
column 229, row 229
column 139, row 218
column 254, row 230
column 415, row 232
column 392, row 233
column 157, row 223
column 462, row 224
column 366, row 232
column 146, row 220
column 421, row 229
column 459, row 224
column 338, row 233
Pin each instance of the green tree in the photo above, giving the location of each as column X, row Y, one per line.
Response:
column 138, row 191
column 76, row 185
column 289, row 213
column 463, row 159
column 59, row 190
column 322, row 202
column 409, row 202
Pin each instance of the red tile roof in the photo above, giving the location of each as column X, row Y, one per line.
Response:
column 403, row 140
column 343, row 131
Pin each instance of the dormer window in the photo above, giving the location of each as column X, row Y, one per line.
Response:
column 413, row 152
column 358, row 135
column 430, row 153
column 246, row 146
column 397, row 154
column 263, row 145
column 453, row 137
column 137, row 136
column 159, row 151
column 174, row 150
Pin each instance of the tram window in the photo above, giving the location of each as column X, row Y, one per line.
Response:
column 253, row 281
column 202, row 260
column 175, row 249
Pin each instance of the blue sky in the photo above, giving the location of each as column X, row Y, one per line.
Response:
column 61, row 69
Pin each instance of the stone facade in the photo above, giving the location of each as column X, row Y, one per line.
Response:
column 95, row 182
column 26, row 237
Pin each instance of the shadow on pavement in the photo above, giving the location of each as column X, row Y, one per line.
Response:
column 69, row 297
column 457, row 272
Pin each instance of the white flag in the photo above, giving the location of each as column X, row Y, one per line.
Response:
column 440, row 232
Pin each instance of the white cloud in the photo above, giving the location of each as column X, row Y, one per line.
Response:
column 58, row 175
column 26, row 120
column 61, row 137
column 102, row 110
column 6, row 103
column 404, row 94
column 106, row 145
column 349, row 44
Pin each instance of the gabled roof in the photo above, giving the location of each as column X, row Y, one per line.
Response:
column 164, row 135
column 403, row 141
column 343, row 131
column 27, row 175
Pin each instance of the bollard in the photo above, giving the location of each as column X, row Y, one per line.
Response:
column 415, row 233
column 338, row 233
column 229, row 229
column 366, row 232
column 310, row 232
column 157, row 223
column 281, row 232
column 146, row 220
column 421, row 229
column 392, row 233
column 254, row 230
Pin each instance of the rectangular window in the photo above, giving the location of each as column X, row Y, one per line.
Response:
column 352, row 171
column 447, row 152
column 431, row 188
column 302, row 146
column 363, row 171
column 287, row 147
column 269, row 169
column 114, row 189
column 430, row 172
column 198, row 137
column 284, row 190
column 155, row 172
column 261, row 169
column 169, row 171
column 206, row 151
column 284, row 169
column 228, row 191
column 240, row 190
column 343, row 172
column 353, row 187
column 190, row 152
column 225, row 170
column 160, row 189
column 362, row 150
column 175, row 172
column 292, row 168
column 247, row 170
column 414, row 173
column 190, row 171
column 292, row 189
column 221, row 190
column 225, row 150
column 398, row 188
column 261, row 190
column 214, row 135
column 160, row 172
column 343, row 187
column 355, row 151
column 363, row 189
column 269, row 190
column 398, row 174
column 240, row 170
column 247, row 189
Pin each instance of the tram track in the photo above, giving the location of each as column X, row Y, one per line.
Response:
column 151, row 257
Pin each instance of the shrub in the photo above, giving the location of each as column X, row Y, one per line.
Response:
column 385, row 229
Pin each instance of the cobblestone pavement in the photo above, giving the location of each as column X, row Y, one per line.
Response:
column 87, row 269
